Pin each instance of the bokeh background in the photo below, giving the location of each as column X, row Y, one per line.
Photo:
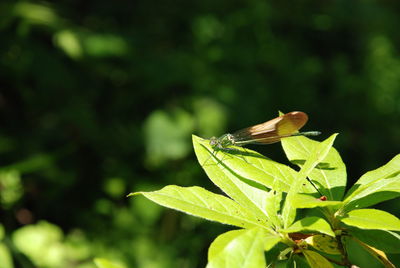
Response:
column 100, row 98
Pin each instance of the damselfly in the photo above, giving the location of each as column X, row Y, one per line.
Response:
column 272, row 131
column 286, row 125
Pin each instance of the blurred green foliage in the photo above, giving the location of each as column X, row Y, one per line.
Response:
column 98, row 99
column 104, row 263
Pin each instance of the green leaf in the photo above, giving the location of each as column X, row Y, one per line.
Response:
column 245, row 249
column 5, row 257
column 199, row 202
column 315, row 224
column 223, row 241
column 373, row 194
column 228, row 180
column 296, row 261
column 244, row 164
column 270, row 240
column 2, row 232
column 391, row 169
column 315, row 260
column 371, row 219
column 358, row 254
column 375, row 186
column 175, row 127
column 307, row 201
column 318, row 155
column 387, row 241
column 272, row 207
column 329, row 176
column 104, row 263
column 41, row 242
column 324, row 243
column 376, row 253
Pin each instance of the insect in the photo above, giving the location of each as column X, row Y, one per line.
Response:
column 286, row 125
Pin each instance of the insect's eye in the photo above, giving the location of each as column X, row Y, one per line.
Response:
column 213, row 141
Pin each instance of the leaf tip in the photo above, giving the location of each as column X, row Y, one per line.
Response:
column 197, row 139
column 133, row 194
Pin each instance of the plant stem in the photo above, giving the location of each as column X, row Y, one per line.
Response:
column 343, row 251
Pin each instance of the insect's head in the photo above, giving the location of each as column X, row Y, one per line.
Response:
column 213, row 141
column 223, row 141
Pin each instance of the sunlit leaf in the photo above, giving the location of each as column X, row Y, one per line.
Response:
column 69, row 42
column 230, row 182
column 324, row 243
column 375, row 186
column 329, row 175
column 5, row 257
column 221, row 242
column 315, row 224
column 318, row 154
column 199, row 202
column 316, row 260
column 37, row 13
column 245, row 249
column 272, row 207
column 175, row 126
column 11, row 188
column 390, row 169
column 307, row 201
column 210, row 116
column 270, row 240
column 244, row 164
column 371, row 219
column 104, row 263
column 374, row 193
column 41, row 242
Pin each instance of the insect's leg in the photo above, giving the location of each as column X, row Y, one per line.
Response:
column 212, row 153
column 244, row 158
column 208, row 158
column 224, row 149
column 238, row 153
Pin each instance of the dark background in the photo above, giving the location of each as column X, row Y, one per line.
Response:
column 100, row 98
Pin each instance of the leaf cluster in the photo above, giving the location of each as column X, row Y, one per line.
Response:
column 289, row 217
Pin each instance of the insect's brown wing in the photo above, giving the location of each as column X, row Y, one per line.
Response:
column 291, row 123
column 273, row 130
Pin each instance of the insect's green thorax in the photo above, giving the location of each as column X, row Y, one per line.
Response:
column 224, row 141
